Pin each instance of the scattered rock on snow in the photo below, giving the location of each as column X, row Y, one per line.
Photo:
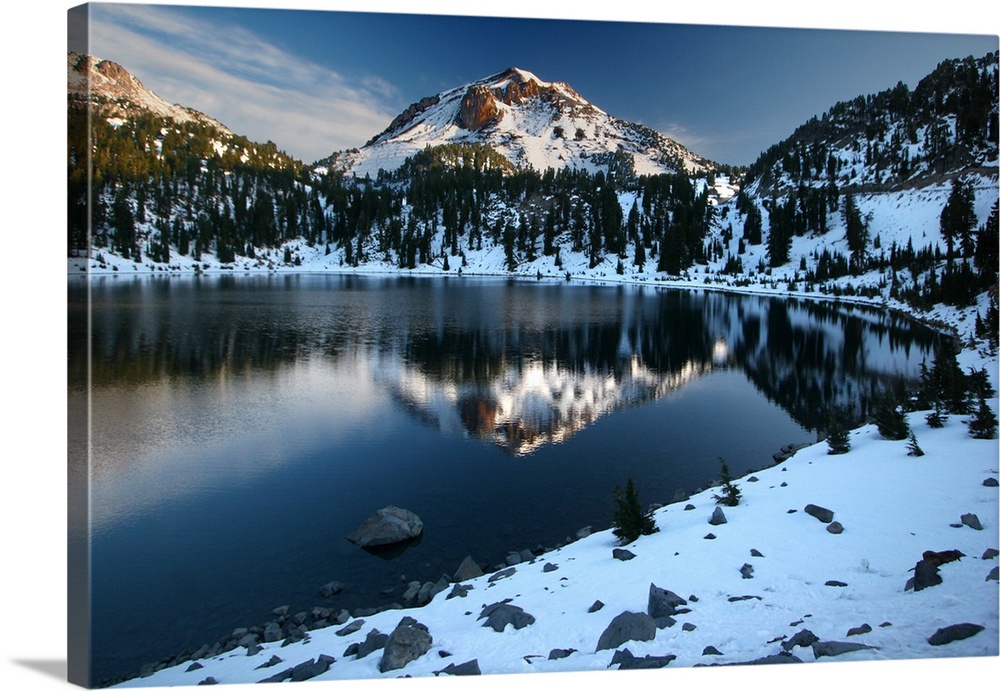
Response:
column 819, row 513
column 746, row 571
column 955, row 632
column 925, row 575
column 710, row 536
column 755, row 553
column 994, row 574
column 622, row 554
column 858, row 630
column 689, row 507
column 804, row 638
column 549, row 567
column 597, row 606
column 834, row 648
column 560, row 653
column 626, row 660
column 374, row 641
column 663, row 603
column 500, row 575
column 836, row 584
column 835, row 527
column 718, row 517
column 710, row 650
column 945, row 557
column 627, row 626
column 405, row 644
column 458, row 590
column 990, row 482
column 470, row 668
column 990, row 554
column 971, row 520
column 350, row 628
column 499, row 614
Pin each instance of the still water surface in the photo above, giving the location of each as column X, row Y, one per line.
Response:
column 243, row 426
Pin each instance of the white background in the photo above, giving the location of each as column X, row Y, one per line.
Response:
column 33, row 398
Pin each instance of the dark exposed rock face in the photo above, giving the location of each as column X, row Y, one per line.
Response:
column 406, row 117
column 479, row 108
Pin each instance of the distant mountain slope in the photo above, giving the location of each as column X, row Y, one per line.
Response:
column 117, row 94
column 893, row 139
column 533, row 123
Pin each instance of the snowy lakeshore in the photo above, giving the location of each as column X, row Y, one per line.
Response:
column 893, row 508
column 751, row 586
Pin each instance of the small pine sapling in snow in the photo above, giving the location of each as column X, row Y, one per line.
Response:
column 913, row 449
column 630, row 521
column 936, row 418
column 983, row 424
column 837, row 438
column 731, row 494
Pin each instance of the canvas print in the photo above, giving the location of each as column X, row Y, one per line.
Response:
column 409, row 345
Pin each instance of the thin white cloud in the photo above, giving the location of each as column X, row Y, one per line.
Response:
column 253, row 87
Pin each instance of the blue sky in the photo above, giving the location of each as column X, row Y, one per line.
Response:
column 318, row 81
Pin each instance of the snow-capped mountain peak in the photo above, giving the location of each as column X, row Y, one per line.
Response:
column 531, row 122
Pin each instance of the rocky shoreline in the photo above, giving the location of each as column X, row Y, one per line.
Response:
column 293, row 628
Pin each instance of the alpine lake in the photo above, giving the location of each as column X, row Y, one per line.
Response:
column 242, row 426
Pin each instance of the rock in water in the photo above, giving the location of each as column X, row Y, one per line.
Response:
column 467, row 570
column 387, row 526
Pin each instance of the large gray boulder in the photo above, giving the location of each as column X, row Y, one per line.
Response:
column 627, row 626
column 405, row 645
column 387, row 526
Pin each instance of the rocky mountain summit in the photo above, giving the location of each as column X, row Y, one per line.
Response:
column 119, row 94
column 531, row 122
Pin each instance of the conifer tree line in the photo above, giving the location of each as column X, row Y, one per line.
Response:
column 159, row 187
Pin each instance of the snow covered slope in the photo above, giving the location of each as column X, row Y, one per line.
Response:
column 533, row 123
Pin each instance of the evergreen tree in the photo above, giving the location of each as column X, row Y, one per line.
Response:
column 958, row 217
column 890, row 419
column 731, row 493
column 983, row 424
column 837, row 438
column 630, row 521
column 913, row 449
